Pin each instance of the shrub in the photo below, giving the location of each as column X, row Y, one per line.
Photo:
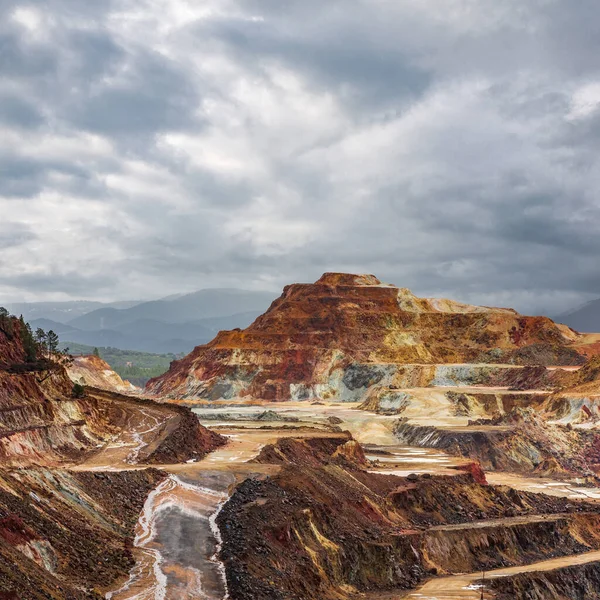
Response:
column 78, row 390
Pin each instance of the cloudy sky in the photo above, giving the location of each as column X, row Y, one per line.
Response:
column 149, row 147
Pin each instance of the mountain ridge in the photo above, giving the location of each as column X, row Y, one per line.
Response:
column 585, row 318
column 325, row 338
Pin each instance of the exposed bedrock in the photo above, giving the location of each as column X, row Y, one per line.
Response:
column 519, row 442
column 328, row 532
column 42, row 423
column 417, row 402
column 64, row 535
column 178, row 436
column 340, row 449
column 93, row 371
column 345, row 333
column 507, row 542
column 344, row 381
column 578, row 582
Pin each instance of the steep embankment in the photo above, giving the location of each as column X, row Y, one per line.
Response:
column 577, row 399
column 44, row 421
column 325, row 528
column 93, row 371
column 521, row 441
column 40, row 419
column 574, row 582
column 65, row 535
column 338, row 337
column 148, row 432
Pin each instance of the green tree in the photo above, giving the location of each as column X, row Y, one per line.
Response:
column 96, row 352
column 6, row 322
column 29, row 344
column 40, row 338
column 52, row 343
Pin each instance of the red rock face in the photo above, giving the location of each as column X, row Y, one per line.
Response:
column 347, row 332
column 43, row 423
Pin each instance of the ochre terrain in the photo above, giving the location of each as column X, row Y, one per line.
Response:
column 66, row 527
column 330, row 529
column 338, row 337
column 66, row 535
column 93, row 371
column 380, row 446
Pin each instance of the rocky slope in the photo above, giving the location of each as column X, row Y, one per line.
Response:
column 330, row 529
column 93, row 371
column 521, row 442
column 338, row 337
column 66, row 534
column 572, row 583
column 576, row 397
column 43, row 422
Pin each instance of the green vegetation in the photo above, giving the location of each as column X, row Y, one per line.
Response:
column 78, row 390
column 136, row 367
column 41, row 349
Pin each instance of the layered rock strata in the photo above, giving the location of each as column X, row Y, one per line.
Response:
column 94, row 372
column 345, row 334
column 333, row 531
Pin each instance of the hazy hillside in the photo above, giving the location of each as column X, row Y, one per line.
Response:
column 62, row 312
column 147, row 335
column 174, row 324
column 136, row 367
column 585, row 318
column 199, row 305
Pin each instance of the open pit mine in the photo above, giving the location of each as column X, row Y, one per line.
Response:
column 354, row 442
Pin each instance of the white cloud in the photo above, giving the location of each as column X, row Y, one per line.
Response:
column 450, row 146
column 585, row 101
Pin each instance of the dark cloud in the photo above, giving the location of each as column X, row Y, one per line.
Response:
column 18, row 112
column 19, row 60
column 70, row 282
column 334, row 56
column 447, row 146
column 155, row 96
column 14, row 234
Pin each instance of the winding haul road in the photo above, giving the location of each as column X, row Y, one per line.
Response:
column 176, row 538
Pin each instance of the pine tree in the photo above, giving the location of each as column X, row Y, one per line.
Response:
column 40, row 338
column 52, row 342
column 96, row 352
column 29, row 345
column 6, row 322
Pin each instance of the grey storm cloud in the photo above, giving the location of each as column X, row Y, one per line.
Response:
column 161, row 146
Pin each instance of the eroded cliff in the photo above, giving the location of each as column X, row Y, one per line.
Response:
column 321, row 528
column 93, row 371
column 338, row 337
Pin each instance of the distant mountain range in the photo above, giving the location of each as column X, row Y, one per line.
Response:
column 173, row 324
column 586, row 318
column 62, row 312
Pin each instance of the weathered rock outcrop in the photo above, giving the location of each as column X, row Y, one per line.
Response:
column 578, row 582
column 40, row 419
column 327, row 532
column 520, row 441
column 577, row 397
column 93, row 371
column 339, row 449
column 43, row 422
column 178, row 436
column 66, row 535
column 338, row 337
